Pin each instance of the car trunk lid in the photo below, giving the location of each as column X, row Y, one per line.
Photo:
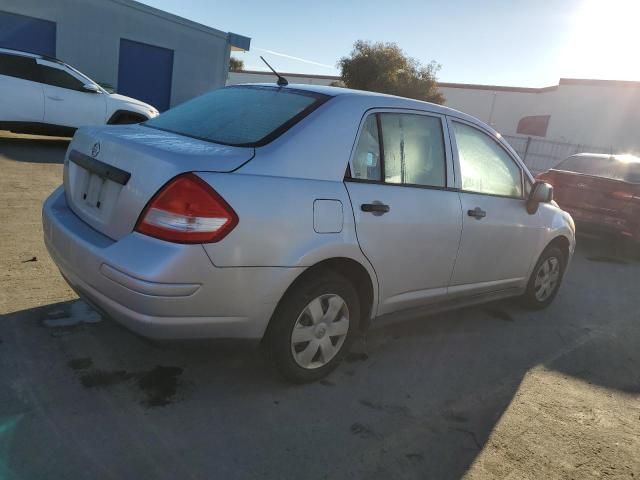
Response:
column 112, row 172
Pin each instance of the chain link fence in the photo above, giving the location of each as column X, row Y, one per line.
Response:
column 541, row 155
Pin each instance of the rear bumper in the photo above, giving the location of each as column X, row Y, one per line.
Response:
column 589, row 222
column 160, row 289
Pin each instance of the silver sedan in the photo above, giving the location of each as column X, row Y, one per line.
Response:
column 297, row 215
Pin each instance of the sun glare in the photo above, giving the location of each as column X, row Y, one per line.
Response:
column 628, row 158
column 603, row 41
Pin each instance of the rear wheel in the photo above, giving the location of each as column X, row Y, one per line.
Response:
column 313, row 327
column 545, row 279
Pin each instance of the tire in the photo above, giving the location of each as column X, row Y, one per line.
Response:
column 308, row 357
column 536, row 297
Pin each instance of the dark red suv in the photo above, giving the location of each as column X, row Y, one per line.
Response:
column 601, row 192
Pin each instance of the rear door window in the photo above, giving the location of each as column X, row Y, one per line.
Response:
column 413, row 149
column 410, row 152
column 19, row 66
column 239, row 116
column 366, row 161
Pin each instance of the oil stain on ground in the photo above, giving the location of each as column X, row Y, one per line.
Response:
column 362, row 431
column 356, row 357
column 386, row 408
column 80, row 363
column 159, row 384
column 414, row 457
column 456, row 417
column 499, row 314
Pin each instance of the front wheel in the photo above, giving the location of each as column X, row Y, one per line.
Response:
column 314, row 326
column 545, row 279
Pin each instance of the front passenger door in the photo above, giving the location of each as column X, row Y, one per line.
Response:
column 499, row 237
column 66, row 103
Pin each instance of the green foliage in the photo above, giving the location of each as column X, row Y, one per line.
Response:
column 235, row 64
column 384, row 67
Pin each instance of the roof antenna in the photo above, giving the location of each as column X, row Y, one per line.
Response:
column 282, row 82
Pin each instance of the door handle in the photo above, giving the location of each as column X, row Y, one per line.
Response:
column 57, row 99
column 377, row 208
column 477, row 212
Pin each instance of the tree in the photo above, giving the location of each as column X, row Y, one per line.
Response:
column 384, row 67
column 235, row 64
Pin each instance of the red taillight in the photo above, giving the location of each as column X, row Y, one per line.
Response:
column 187, row 210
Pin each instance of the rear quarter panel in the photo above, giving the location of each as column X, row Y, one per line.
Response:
column 276, row 222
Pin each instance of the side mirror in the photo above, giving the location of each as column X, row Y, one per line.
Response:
column 541, row 192
column 91, row 88
column 107, row 87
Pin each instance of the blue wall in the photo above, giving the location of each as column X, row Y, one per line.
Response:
column 27, row 33
column 144, row 72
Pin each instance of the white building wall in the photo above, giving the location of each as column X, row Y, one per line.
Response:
column 502, row 110
column 604, row 114
column 582, row 112
column 236, row 78
column 596, row 115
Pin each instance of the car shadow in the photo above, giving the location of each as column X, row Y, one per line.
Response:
column 417, row 399
column 608, row 248
column 33, row 149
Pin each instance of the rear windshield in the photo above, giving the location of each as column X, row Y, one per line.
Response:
column 248, row 116
column 602, row 167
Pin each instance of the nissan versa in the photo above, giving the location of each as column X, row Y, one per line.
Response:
column 298, row 214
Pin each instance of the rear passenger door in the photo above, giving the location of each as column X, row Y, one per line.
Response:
column 499, row 237
column 21, row 96
column 408, row 218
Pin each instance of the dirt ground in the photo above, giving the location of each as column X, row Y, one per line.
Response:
column 29, row 171
column 486, row 392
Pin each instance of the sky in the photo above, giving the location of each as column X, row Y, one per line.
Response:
column 528, row 43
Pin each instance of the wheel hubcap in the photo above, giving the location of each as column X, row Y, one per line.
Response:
column 547, row 278
column 320, row 331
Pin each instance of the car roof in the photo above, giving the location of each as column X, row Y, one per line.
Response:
column 24, row 53
column 387, row 100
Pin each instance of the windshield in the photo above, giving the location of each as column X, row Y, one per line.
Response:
column 606, row 167
column 239, row 116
